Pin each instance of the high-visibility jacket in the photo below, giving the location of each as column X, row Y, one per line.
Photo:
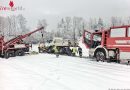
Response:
column 55, row 49
column 74, row 50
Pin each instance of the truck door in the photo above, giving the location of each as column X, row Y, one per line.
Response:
column 87, row 39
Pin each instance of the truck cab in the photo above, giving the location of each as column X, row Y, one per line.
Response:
column 110, row 44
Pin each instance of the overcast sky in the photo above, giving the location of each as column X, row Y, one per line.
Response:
column 53, row 10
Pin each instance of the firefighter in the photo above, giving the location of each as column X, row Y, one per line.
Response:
column 80, row 51
column 31, row 46
column 68, row 51
column 74, row 50
column 69, row 43
column 41, row 48
column 56, row 51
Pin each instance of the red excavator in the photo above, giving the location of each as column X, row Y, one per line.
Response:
column 15, row 46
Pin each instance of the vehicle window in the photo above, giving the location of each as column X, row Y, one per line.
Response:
column 129, row 32
column 97, row 38
column 96, row 41
column 87, row 39
column 88, row 36
column 118, row 32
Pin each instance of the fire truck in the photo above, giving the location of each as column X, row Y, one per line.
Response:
column 110, row 44
column 15, row 46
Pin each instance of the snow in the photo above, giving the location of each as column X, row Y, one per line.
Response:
column 85, row 51
column 46, row 72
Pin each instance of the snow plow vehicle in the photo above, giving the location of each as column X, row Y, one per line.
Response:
column 15, row 46
column 111, row 44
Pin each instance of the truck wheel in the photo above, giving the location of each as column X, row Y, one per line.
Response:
column 19, row 53
column 128, row 62
column 26, row 49
column 6, row 55
column 39, row 50
column 11, row 53
column 100, row 56
column 118, row 61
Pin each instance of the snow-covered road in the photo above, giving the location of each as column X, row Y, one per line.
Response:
column 46, row 72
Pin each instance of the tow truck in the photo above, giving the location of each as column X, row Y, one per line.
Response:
column 108, row 45
column 15, row 46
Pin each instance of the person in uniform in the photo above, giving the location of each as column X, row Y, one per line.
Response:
column 56, row 51
column 74, row 50
column 80, row 51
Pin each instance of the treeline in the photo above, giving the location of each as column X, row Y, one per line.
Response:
column 73, row 27
column 67, row 28
column 12, row 26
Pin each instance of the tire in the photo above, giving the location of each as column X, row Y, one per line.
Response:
column 118, row 61
column 100, row 55
column 11, row 53
column 26, row 49
column 6, row 55
column 39, row 49
column 128, row 62
column 19, row 53
column 108, row 60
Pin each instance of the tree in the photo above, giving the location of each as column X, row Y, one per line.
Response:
column 128, row 20
column 71, row 28
column 41, row 36
column 116, row 21
column 100, row 24
column 92, row 24
column 2, row 25
column 65, row 28
column 21, row 24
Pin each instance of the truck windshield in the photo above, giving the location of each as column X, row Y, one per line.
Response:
column 97, row 37
column 96, row 41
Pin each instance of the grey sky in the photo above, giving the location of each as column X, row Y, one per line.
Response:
column 53, row 10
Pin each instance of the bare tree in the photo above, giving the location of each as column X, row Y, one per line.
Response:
column 21, row 24
column 92, row 24
column 41, row 36
column 100, row 23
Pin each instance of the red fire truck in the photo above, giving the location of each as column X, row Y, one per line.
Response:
column 15, row 46
column 110, row 44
